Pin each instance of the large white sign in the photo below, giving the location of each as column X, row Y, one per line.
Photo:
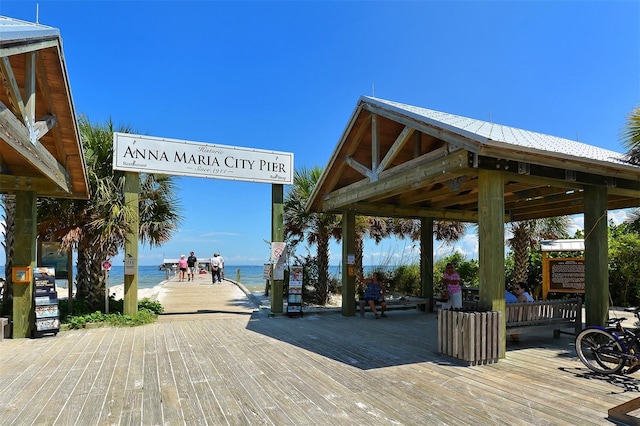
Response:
column 146, row 154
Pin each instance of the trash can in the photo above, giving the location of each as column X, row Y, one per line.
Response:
column 473, row 337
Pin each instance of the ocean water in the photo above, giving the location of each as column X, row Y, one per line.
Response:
column 150, row 276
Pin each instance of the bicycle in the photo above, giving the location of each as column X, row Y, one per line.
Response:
column 607, row 350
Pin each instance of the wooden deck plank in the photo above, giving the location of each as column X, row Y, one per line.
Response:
column 63, row 407
column 113, row 394
column 220, row 362
column 134, row 381
column 152, row 407
column 166, row 344
column 211, row 409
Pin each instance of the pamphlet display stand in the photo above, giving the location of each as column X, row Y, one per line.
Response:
column 294, row 295
column 46, row 302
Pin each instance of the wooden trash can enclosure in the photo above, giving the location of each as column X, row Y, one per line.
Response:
column 474, row 337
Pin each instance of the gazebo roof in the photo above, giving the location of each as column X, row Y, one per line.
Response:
column 401, row 160
column 40, row 147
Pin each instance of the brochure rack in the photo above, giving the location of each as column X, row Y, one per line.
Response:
column 294, row 295
column 46, row 304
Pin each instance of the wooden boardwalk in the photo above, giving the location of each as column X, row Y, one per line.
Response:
column 214, row 359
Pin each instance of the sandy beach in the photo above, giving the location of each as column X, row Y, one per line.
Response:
column 118, row 292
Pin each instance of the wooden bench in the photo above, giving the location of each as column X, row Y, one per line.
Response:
column 395, row 304
column 544, row 314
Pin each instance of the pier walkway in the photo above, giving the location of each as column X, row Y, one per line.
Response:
column 214, row 358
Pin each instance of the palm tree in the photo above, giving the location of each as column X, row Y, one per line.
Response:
column 631, row 136
column 631, row 141
column 315, row 228
column 527, row 234
column 97, row 227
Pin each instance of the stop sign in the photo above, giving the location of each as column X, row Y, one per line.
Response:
column 106, row 265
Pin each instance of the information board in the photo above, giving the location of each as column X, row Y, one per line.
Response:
column 563, row 275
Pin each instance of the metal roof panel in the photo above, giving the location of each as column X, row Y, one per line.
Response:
column 12, row 29
column 488, row 133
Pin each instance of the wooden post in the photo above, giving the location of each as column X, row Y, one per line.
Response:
column 277, row 235
column 70, row 279
column 596, row 272
column 426, row 261
column 131, row 190
column 24, row 255
column 491, row 244
column 348, row 271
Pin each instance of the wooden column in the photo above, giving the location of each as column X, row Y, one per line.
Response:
column 426, row 260
column 491, row 243
column 24, row 255
column 596, row 246
column 348, row 277
column 131, row 190
column 277, row 235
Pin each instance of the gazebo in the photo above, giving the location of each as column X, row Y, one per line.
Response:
column 40, row 151
column 400, row 160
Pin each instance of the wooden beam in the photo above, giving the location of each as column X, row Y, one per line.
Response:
column 402, row 138
column 336, row 165
column 360, row 168
column 28, row 47
column 45, row 124
column 41, row 186
column 620, row 413
column 131, row 200
column 412, row 174
column 426, row 261
column 16, row 135
column 545, row 203
column 596, row 273
column 45, row 90
column 370, row 209
column 29, row 95
column 491, row 245
column 559, row 161
column 439, row 191
column 348, row 270
column 277, row 235
column 24, row 256
column 12, row 88
column 375, row 144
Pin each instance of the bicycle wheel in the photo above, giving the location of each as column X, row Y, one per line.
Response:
column 600, row 351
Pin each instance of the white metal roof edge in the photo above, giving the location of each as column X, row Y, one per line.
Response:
column 576, row 244
column 12, row 29
column 396, row 106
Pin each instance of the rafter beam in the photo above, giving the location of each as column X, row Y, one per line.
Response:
column 11, row 50
column 387, row 210
column 402, row 138
column 16, row 135
column 420, row 171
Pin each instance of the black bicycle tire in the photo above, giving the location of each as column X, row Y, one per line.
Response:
column 591, row 337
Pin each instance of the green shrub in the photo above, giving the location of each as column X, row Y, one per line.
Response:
column 405, row 279
column 148, row 311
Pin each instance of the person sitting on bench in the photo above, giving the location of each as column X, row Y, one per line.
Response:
column 374, row 295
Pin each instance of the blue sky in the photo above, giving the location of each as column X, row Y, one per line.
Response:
column 286, row 76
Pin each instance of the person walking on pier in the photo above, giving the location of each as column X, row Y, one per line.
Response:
column 191, row 264
column 216, row 267
column 182, row 265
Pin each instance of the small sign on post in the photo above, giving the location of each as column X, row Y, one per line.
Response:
column 130, row 265
column 106, row 267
